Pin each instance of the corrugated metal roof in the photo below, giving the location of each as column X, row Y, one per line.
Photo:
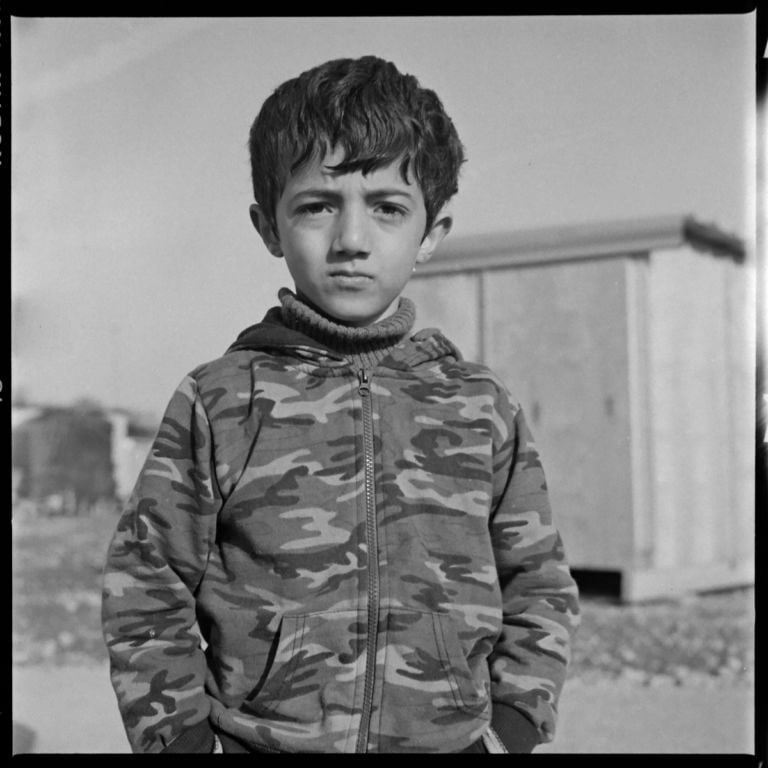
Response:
column 631, row 237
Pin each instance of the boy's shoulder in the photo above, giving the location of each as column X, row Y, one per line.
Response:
column 450, row 375
column 454, row 365
column 234, row 368
column 225, row 385
column 475, row 371
column 478, row 377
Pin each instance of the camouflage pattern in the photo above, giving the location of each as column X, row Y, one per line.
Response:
column 265, row 578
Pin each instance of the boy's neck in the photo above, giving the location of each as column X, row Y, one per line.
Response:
column 365, row 346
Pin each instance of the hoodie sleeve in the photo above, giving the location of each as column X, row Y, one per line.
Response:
column 540, row 598
column 154, row 564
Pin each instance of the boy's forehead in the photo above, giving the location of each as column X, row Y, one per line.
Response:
column 320, row 169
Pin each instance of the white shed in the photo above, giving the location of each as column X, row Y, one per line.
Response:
column 630, row 345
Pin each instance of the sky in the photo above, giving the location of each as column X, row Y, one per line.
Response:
column 133, row 256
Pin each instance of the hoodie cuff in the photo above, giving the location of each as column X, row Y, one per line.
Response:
column 515, row 730
column 197, row 739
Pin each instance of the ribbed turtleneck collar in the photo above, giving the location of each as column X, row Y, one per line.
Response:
column 364, row 346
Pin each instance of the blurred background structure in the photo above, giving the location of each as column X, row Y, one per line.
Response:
column 67, row 458
column 631, row 345
column 602, row 261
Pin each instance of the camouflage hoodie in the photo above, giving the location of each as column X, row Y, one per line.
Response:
column 322, row 559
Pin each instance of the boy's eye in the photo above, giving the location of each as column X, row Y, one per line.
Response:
column 317, row 208
column 313, row 209
column 389, row 210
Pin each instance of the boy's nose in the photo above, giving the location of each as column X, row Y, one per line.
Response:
column 351, row 233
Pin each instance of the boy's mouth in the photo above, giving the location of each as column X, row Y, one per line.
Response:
column 350, row 279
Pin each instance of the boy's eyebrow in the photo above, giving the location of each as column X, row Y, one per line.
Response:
column 330, row 194
column 390, row 192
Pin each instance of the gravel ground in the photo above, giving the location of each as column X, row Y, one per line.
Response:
column 701, row 639
column 57, row 562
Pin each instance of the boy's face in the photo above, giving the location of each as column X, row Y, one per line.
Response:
column 351, row 241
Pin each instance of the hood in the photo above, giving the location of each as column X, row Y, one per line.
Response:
column 272, row 333
column 427, row 345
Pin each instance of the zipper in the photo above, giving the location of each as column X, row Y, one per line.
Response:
column 364, row 389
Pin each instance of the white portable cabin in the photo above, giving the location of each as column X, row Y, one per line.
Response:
column 630, row 346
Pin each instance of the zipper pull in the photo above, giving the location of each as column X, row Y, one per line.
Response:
column 364, row 387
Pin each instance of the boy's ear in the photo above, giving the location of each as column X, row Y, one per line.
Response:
column 264, row 227
column 440, row 228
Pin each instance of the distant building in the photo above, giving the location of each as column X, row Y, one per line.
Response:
column 64, row 453
column 630, row 345
column 71, row 456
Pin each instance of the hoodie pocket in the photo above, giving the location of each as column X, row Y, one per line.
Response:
column 315, row 669
column 425, row 666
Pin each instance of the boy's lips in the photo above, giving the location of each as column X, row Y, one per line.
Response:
column 347, row 278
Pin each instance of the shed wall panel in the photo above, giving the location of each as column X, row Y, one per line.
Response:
column 557, row 337
column 688, row 374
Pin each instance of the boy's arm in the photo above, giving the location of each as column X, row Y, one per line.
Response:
column 154, row 563
column 540, row 597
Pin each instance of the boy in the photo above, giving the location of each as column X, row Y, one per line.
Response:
column 353, row 519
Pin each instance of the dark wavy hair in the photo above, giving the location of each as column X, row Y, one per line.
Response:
column 370, row 110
